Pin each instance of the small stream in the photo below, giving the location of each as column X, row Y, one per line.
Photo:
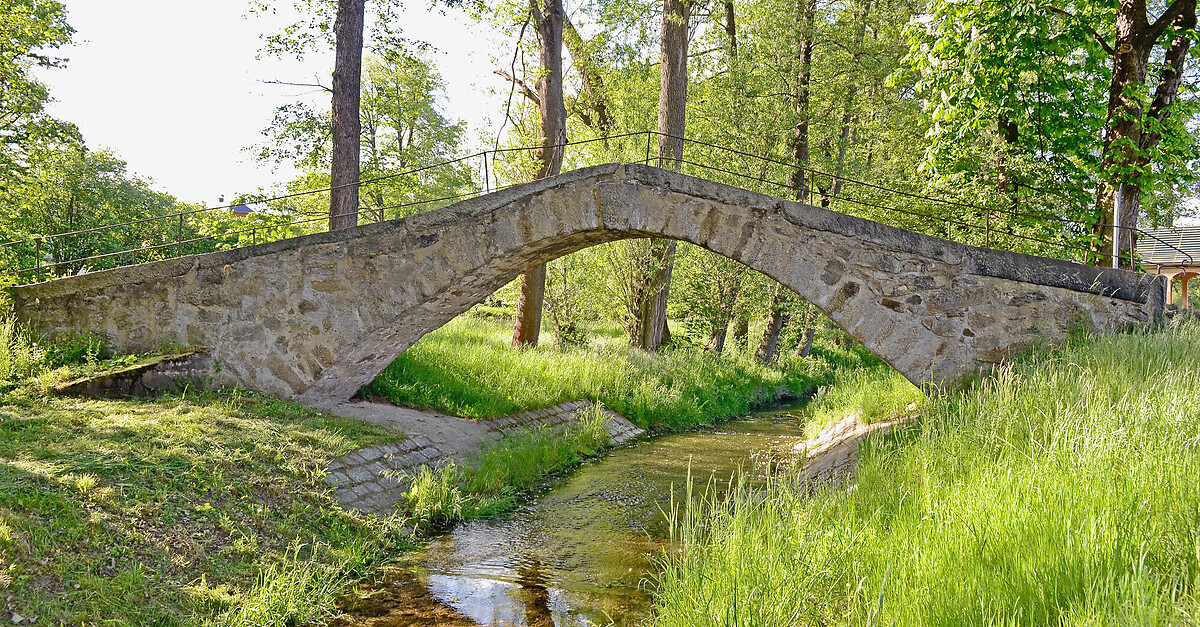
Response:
column 579, row 551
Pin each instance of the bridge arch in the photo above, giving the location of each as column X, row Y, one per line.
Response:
column 314, row 318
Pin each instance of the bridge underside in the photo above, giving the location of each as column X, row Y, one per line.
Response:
column 314, row 318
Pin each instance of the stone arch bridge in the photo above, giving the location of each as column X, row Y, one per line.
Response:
column 314, row 318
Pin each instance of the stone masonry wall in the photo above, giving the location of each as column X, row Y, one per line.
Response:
column 314, row 318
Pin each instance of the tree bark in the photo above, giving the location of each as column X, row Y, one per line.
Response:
column 777, row 318
column 731, row 29
column 347, row 127
column 800, row 181
column 1128, row 140
column 549, row 18
column 672, row 124
column 810, row 330
column 672, row 96
column 848, row 117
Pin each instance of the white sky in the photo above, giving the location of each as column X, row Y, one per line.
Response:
column 174, row 88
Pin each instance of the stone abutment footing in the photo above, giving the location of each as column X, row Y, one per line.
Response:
column 373, row 479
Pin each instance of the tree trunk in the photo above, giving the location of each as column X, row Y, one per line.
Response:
column 731, row 29
column 347, row 127
column 776, row 320
column 672, row 124
column 742, row 330
column 672, row 96
column 549, row 18
column 810, row 330
column 1128, row 139
column 800, row 181
column 860, row 34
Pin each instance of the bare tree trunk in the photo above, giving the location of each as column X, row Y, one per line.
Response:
column 807, row 10
column 731, row 29
column 672, row 124
column 848, row 109
column 810, row 330
column 741, row 331
column 549, row 18
column 776, row 320
column 347, row 128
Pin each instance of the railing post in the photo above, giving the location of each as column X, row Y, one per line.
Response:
column 988, row 229
column 37, row 242
column 647, row 148
column 254, row 237
column 179, row 237
column 487, row 178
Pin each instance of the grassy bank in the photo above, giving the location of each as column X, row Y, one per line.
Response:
column 187, row 510
column 467, row 368
column 1061, row 491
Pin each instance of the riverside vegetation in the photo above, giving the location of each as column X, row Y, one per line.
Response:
column 1061, row 490
column 211, row 508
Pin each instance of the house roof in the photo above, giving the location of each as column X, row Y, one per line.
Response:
column 241, row 209
column 1168, row 245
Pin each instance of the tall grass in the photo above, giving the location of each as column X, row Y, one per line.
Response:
column 874, row 392
column 1063, row 490
column 468, row 369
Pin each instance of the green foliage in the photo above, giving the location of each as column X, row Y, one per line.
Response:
column 468, row 368
column 1060, row 491
column 435, row 496
column 403, row 131
column 29, row 31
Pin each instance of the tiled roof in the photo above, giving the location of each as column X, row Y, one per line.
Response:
column 1168, row 244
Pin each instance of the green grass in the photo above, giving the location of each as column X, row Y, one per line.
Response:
column 492, row 479
column 1063, row 490
column 179, row 511
column 874, row 392
column 468, row 369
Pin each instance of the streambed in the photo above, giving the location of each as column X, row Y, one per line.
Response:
column 578, row 552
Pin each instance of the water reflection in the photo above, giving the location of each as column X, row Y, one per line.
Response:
column 579, row 552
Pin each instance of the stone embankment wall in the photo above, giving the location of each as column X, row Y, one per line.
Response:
column 372, row 479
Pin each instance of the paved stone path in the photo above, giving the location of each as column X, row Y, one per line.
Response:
column 371, row 479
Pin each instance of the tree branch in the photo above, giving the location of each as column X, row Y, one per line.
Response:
column 1173, row 12
column 529, row 93
column 1096, row 34
column 317, row 85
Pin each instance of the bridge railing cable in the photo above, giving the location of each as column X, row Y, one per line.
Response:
column 183, row 232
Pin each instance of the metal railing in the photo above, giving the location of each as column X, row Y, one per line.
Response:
column 937, row 216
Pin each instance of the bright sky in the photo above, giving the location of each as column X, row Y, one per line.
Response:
column 174, row 88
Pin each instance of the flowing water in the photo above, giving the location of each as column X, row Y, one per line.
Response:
column 579, row 551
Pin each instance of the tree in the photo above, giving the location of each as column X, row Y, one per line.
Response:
column 1085, row 100
column 347, row 37
column 346, row 124
column 548, row 17
column 402, row 131
column 29, row 30
column 672, row 127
